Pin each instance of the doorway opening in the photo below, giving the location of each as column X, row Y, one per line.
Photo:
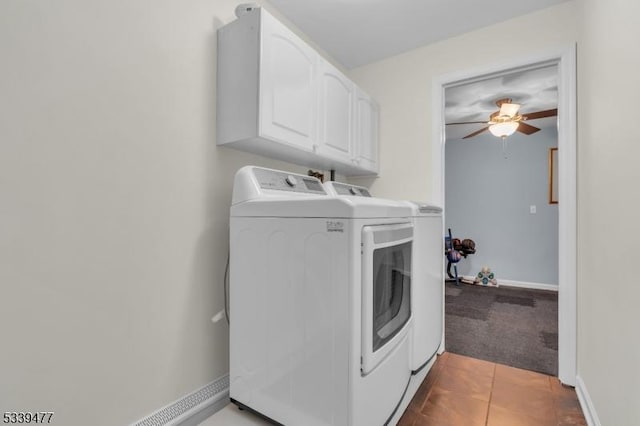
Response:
column 496, row 194
column 563, row 59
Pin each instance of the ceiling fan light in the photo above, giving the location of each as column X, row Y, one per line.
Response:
column 502, row 130
column 509, row 110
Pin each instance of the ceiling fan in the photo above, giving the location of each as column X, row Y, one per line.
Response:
column 506, row 120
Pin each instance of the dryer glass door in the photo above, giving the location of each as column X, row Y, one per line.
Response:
column 386, row 290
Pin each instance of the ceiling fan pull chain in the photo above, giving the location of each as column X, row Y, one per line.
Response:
column 504, row 147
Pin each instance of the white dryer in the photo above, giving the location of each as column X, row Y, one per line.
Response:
column 427, row 296
column 427, row 274
column 320, row 302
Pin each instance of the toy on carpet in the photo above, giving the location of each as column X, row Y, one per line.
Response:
column 486, row 278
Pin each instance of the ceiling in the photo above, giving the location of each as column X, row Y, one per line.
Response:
column 359, row 32
column 535, row 90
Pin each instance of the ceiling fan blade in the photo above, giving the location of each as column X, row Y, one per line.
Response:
column 527, row 129
column 541, row 114
column 468, row 122
column 477, row 132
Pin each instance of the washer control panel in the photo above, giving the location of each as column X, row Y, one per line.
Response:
column 346, row 189
column 290, row 182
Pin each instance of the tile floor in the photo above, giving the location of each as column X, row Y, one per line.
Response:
column 230, row 415
column 466, row 391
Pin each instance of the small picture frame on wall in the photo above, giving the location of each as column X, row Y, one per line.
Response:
column 553, row 175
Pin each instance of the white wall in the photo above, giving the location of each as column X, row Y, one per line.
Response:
column 114, row 198
column 488, row 197
column 114, row 205
column 609, row 199
column 402, row 87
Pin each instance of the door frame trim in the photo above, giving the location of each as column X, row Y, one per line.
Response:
column 564, row 57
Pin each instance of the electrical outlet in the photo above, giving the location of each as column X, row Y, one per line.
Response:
column 532, row 209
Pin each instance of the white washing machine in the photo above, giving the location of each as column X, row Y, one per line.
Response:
column 427, row 275
column 428, row 280
column 320, row 302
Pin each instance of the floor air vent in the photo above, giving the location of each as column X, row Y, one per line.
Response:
column 181, row 410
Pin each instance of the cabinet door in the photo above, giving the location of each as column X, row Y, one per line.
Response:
column 366, row 132
column 288, row 93
column 336, row 114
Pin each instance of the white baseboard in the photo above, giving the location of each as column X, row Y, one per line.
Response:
column 524, row 284
column 588, row 408
column 193, row 408
column 520, row 284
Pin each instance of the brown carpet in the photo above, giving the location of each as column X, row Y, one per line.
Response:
column 512, row 326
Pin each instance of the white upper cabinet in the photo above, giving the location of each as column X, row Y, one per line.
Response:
column 288, row 85
column 366, row 132
column 336, row 114
column 276, row 96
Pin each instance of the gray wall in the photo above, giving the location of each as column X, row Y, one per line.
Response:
column 488, row 199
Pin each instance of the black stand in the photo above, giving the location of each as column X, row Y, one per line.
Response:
column 464, row 250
